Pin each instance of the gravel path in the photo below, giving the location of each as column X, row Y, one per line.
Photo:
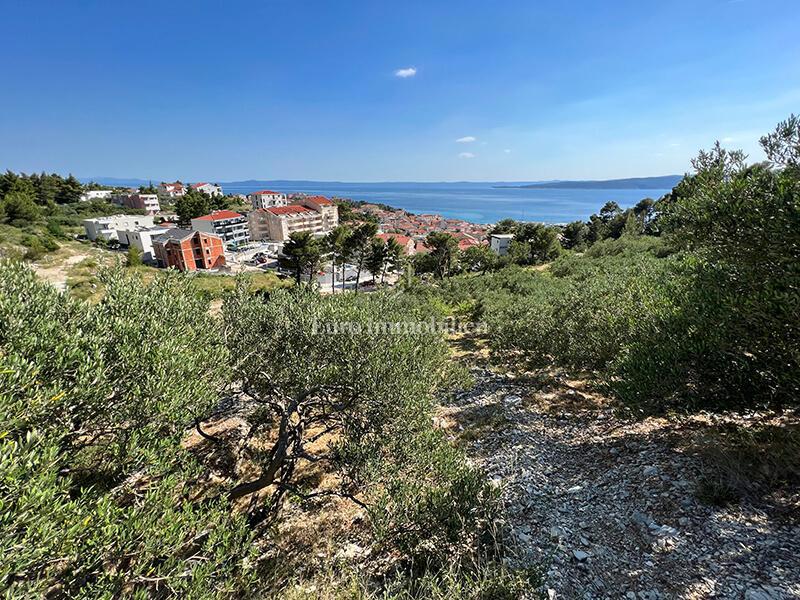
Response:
column 606, row 507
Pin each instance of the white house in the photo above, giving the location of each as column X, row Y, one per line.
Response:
column 171, row 190
column 107, row 227
column 499, row 242
column 95, row 195
column 141, row 238
column 212, row 189
column 267, row 199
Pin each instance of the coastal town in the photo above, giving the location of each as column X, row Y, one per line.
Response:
column 251, row 234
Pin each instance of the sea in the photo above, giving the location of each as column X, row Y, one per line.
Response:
column 474, row 202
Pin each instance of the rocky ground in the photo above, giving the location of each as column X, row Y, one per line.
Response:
column 607, row 507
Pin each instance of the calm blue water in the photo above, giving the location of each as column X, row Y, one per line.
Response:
column 475, row 202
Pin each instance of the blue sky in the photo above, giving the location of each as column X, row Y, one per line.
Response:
column 310, row 90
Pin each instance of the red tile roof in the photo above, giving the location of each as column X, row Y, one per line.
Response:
column 320, row 200
column 197, row 185
column 219, row 215
column 288, row 210
column 264, row 192
column 401, row 239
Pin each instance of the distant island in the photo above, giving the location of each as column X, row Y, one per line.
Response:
column 633, row 183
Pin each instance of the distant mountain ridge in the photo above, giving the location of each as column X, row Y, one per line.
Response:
column 632, row 183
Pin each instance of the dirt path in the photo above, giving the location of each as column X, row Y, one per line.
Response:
column 55, row 267
column 608, row 508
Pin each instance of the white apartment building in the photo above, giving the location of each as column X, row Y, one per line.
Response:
column 267, row 199
column 230, row 226
column 141, row 238
column 212, row 189
column 95, row 195
column 107, row 227
column 499, row 242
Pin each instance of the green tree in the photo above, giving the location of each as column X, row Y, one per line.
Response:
column 541, row 240
column 133, row 257
column 191, row 205
column 505, row 226
column 575, row 235
column 782, row 146
column 316, row 364
column 47, row 188
column 335, row 245
column 302, row 253
column 377, row 258
column 20, row 208
column 443, row 253
column 69, row 190
column 731, row 333
column 478, row 258
column 358, row 246
column 608, row 223
column 645, row 211
column 395, row 254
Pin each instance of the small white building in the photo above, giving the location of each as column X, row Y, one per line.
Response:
column 499, row 243
column 107, row 227
column 211, row 189
column 141, row 238
column 95, row 195
column 267, row 199
column 171, row 190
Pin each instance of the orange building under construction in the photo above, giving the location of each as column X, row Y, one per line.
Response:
column 189, row 250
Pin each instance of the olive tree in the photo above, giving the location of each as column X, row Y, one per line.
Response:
column 95, row 485
column 349, row 382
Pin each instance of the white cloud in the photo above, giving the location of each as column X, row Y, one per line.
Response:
column 407, row 72
column 727, row 139
column 674, row 145
column 466, row 155
column 507, row 151
column 466, row 139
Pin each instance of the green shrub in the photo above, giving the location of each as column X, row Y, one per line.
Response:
column 94, row 484
column 329, row 360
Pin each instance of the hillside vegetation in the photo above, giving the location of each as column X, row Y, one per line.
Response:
column 151, row 447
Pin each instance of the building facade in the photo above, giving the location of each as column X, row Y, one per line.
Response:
column 267, row 199
column 315, row 214
column 141, row 238
column 146, row 202
column 171, row 190
column 107, row 227
column 212, row 189
column 189, row 250
column 499, row 242
column 95, row 195
column 230, row 226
